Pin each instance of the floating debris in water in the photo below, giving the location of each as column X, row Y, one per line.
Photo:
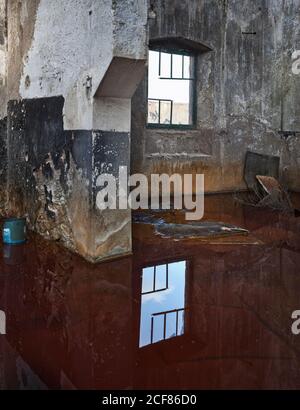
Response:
column 147, row 218
column 204, row 230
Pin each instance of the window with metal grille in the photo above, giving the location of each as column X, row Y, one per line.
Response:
column 171, row 86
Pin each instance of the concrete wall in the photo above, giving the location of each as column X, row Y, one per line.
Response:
column 70, row 48
column 68, row 73
column 3, row 57
column 246, row 91
column 67, row 103
column 3, row 97
column 3, row 164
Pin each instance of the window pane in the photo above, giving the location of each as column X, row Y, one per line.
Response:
column 180, row 329
column 153, row 111
column 181, row 104
column 158, row 328
column 187, row 72
column 165, row 65
column 177, row 66
column 161, row 277
column 147, row 282
column 171, row 325
column 165, row 112
column 153, row 66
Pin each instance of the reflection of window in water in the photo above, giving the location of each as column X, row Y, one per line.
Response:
column 163, row 302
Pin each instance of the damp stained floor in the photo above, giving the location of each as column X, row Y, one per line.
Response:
column 178, row 314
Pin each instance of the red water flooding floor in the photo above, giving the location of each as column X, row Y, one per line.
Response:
column 73, row 325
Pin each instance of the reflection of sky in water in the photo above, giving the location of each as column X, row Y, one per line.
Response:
column 163, row 300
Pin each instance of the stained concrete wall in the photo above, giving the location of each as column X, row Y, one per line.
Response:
column 246, row 91
column 65, row 93
column 68, row 47
column 3, row 164
column 3, row 57
column 3, row 122
column 88, row 56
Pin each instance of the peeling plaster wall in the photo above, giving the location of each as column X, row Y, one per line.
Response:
column 65, row 94
column 246, row 91
column 73, row 45
column 52, row 176
column 72, row 42
column 90, row 54
column 3, row 164
column 21, row 19
column 3, row 58
column 3, row 99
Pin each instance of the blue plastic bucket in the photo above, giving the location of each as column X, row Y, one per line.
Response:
column 14, row 231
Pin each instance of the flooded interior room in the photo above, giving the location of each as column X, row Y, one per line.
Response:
column 149, row 195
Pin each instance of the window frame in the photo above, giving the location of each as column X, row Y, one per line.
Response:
column 187, row 297
column 193, row 124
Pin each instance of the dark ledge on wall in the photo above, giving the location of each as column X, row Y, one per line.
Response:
column 183, row 156
column 287, row 134
column 178, row 43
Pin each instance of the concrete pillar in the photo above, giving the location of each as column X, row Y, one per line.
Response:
column 69, row 118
